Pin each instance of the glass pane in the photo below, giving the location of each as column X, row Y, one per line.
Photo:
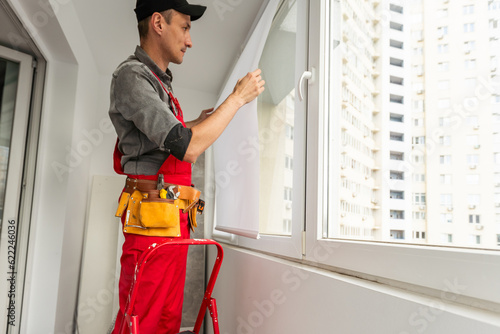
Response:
column 400, row 180
column 9, row 75
column 276, row 107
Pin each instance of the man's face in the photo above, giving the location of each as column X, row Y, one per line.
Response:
column 177, row 38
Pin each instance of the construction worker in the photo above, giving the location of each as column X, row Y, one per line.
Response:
column 155, row 149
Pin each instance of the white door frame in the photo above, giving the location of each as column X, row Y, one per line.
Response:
column 10, row 296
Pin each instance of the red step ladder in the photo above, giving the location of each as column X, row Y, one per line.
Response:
column 130, row 325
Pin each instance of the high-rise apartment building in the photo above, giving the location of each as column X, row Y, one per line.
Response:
column 357, row 185
column 420, row 122
column 460, row 122
column 375, row 193
column 393, row 136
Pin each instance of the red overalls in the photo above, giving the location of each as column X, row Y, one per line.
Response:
column 161, row 292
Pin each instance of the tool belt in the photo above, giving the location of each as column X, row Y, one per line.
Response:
column 152, row 208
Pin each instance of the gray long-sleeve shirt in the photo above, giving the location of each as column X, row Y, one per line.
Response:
column 147, row 129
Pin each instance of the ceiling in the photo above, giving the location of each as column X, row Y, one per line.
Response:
column 11, row 34
column 110, row 29
column 218, row 37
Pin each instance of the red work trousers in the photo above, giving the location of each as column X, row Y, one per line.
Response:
column 161, row 290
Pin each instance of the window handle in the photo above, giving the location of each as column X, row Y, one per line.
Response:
column 307, row 75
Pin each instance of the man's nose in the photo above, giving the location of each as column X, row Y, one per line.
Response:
column 189, row 43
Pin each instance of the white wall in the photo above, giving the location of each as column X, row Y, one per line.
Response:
column 73, row 107
column 258, row 294
column 98, row 290
column 193, row 102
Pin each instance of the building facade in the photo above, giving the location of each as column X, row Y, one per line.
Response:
column 420, row 123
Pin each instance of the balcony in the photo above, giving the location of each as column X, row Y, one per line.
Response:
column 396, row 136
column 398, row 118
column 396, row 175
column 396, row 80
column 397, row 62
column 397, row 44
column 397, row 194
column 397, row 156
column 397, row 235
column 396, row 26
column 395, row 9
column 397, row 99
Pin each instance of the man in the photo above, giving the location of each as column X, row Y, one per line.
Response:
column 155, row 143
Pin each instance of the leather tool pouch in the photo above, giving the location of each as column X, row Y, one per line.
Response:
column 148, row 214
column 133, row 208
column 158, row 212
column 122, row 204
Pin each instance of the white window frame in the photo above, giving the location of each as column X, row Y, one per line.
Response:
column 446, row 218
column 421, row 267
column 390, row 261
column 448, row 199
column 445, row 178
column 289, row 246
column 444, row 66
column 468, row 9
column 469, row 27
column 470, row 64
column 14, row 185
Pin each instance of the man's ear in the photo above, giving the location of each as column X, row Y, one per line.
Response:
column 156, row 23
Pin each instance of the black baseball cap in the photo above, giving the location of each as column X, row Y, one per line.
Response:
column 145, row 8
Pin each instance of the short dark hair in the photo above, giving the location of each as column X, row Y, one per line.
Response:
column 143, row 25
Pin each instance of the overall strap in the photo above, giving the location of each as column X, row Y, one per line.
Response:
column 174, row 170
column 174, row 103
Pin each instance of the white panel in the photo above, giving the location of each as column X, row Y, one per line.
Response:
column 100, row 270
column 236, row 176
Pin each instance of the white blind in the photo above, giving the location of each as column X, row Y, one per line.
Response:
column 236, row 153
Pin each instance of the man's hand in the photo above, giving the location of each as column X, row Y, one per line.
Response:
column 203, row 116
column 249, row 87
